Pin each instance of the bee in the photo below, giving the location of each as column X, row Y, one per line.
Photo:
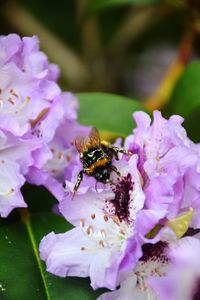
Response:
column 96, row 157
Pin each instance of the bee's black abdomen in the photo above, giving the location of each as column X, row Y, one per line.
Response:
column 102, row 174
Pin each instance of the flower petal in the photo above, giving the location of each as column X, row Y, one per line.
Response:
column 10, row 183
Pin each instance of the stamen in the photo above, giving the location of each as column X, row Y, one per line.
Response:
column 39, row 117
column 26, row 101
column 8, row 192
column 103, row 233
column 101, row 243
column 116, row 220
column 11, row 101
column 60, row 155
column 82, row 223
column 1, row 102
column 14, row 93
column 93, row 216
column 158, row 272
column 68, row 157
column 122, row 232
column 82, row 248
column 90, row 230
column 106, row 217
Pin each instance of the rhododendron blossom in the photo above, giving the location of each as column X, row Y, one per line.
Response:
column 37, row 121
column 169, row 164
column 123, row 231
column 167, row 270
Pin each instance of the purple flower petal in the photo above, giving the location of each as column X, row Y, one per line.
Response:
column 11, row 182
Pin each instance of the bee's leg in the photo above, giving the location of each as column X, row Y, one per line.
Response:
column 78, row 182
column 105, row 144
column 114, row 169
column 117, row 150
column 116, row 155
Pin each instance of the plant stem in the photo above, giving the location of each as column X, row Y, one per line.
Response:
column 164, row 91
column 25, row 217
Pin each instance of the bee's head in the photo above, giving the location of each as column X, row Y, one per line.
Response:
column 102, row 175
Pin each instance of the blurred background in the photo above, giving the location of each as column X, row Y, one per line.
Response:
column 136, row 48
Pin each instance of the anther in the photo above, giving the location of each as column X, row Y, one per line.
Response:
column 1, row 102
column 101, row 243
column 82, row 248
column 93, row 216
column 60, row 155
column 14, row 93
column 103, row 233
column 68, row 157
column 122, row 232
column 82, row 223
column 11, row 101
column 116, row 220
column 105, row 218
column 8, row 192
column 90, row 230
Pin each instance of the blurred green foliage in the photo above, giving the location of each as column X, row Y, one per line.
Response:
column 96, row 5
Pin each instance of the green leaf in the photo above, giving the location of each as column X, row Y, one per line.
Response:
column 96, row 5
column 33, row 195
column 185, row 99
column 23, row 275
column 186, row 95
column 109, row 113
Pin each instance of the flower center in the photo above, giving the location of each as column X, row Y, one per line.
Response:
column 153, row 263
column 121, row 202
column 116, row 226
column 112, row 235
column 60, row 159
column 11, row 101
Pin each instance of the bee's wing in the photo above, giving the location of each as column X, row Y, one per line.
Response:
column 83, row 143
column 94, row 137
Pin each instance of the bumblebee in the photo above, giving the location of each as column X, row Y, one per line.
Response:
column 96, row 157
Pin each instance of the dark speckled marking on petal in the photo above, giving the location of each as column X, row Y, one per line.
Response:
column 122, row 199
